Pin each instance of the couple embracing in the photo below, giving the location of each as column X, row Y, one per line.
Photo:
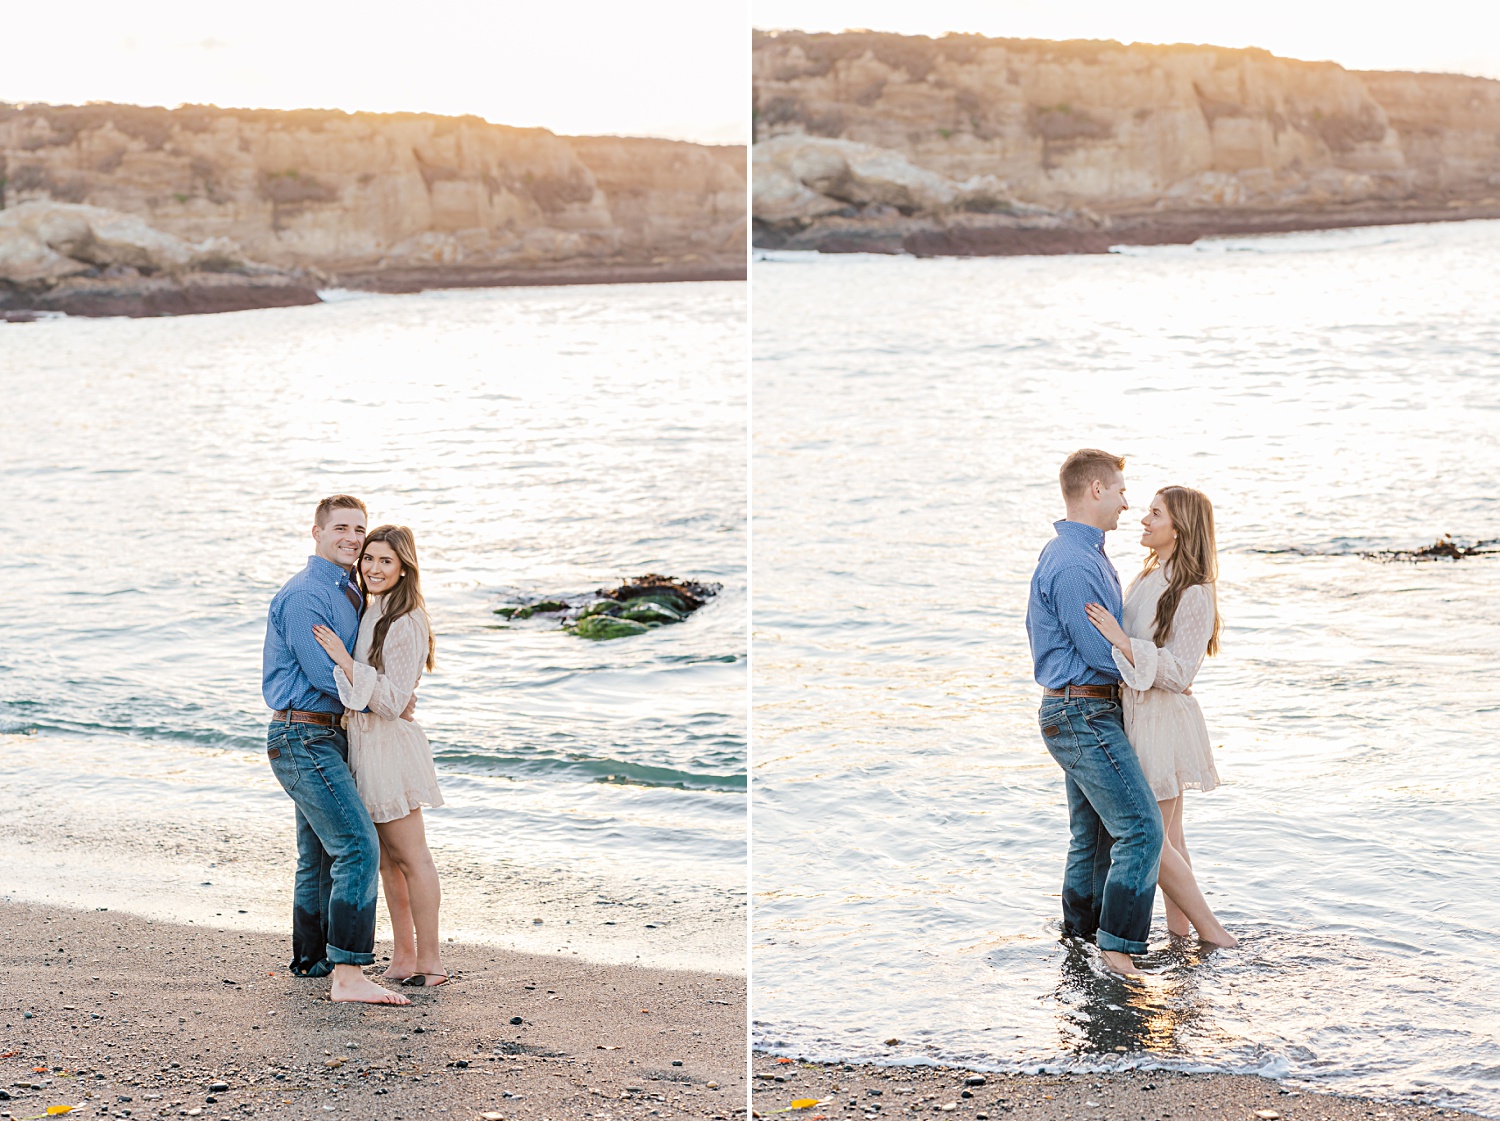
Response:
column 347, row 639
column 1117, row 715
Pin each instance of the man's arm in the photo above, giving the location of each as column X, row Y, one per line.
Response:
column 1074, row 587
column 300, row 612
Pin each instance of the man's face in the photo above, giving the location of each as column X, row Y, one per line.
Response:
column 341, row 540
column 1112, row 501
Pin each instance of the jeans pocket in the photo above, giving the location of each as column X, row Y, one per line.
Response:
column 282, row 753
column 1062, row 743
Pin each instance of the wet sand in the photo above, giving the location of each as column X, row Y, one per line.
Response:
column 845, row 1092
column 89, row 827
column 121, row 1016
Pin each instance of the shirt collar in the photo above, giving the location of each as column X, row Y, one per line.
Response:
column 1086, row 534
column 323, row 567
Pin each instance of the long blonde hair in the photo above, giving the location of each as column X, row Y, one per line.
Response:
column 404, row 598
column 1194, row 561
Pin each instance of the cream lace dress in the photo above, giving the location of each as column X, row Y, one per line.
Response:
column 389, row 757
column 1166, row 728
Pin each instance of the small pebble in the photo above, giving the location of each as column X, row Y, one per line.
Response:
column 513, row 1019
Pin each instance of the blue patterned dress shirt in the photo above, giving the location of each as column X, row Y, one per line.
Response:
column 295, row 671
column 1071, row 572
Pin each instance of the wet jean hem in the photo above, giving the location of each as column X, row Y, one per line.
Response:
column 349, row 957
column 1107, row 941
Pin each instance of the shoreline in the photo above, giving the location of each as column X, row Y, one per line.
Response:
column 226, row 856
column 156, row 297
column 118, row 1016
column 1020, row 238
column 1135, row 1095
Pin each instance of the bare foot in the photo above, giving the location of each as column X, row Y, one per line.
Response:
column 360, row 989
column 428, row 978
column 1221, row 938
column 1119, row 964
column 399, row 969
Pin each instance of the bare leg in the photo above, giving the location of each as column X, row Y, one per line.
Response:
column 406, row 840
column 351, row 984
column 1181, row 890
column 1171, row 820
column 398, row 903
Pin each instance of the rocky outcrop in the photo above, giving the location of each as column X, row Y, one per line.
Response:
column 634, row 607
column 86, row 260
column 969, row 144
column 390, row 201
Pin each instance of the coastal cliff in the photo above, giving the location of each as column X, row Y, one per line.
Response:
column 965, row 144
column 393, row 202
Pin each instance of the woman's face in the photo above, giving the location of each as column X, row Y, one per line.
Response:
column 1157, row 528
column 380, row 567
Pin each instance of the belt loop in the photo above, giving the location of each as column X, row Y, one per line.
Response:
column 1067, row 692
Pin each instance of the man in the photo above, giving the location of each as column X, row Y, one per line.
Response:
column 1116, row 831
column 338, row 851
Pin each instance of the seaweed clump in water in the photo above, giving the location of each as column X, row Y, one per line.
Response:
column 1443, row 548
column 632, row 608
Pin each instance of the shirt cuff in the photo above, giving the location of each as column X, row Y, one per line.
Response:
column 356, row 694
column 1143, row 674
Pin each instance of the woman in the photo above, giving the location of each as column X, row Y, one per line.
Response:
column 1171, row 623
column 390, row 757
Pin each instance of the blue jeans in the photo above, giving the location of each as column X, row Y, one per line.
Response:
column 1115, row 848
column 338, row 850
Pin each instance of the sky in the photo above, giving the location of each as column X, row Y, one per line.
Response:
column 672, row 68
column 1457, row 36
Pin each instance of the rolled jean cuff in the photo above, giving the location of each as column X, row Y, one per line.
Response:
column 1104, row 940
column 349, row 957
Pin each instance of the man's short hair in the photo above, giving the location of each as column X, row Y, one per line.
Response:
column 1084, row 466
column 337, row 502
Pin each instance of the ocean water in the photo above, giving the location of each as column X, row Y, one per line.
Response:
column 159, row 480
column 1335, row 394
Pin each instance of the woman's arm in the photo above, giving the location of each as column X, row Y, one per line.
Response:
column 404, row 654
column 1144, row 665
column 1177, row 662
column 1113, row 633
column 352, row 680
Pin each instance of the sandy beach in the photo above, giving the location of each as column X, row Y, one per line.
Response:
column 121, row 1016
column 88, row 829
column 848, row 1091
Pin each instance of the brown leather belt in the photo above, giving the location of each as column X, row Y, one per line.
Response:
column 297, row 716
column 1093, row 692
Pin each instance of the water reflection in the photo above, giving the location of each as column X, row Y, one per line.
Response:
column 1106, row 1015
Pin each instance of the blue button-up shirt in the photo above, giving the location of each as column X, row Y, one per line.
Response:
column 295, row 671
column 1071, row 572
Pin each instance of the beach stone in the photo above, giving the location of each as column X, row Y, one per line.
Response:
column 974, row 1080
column 516, row 1020
column 602, row 628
